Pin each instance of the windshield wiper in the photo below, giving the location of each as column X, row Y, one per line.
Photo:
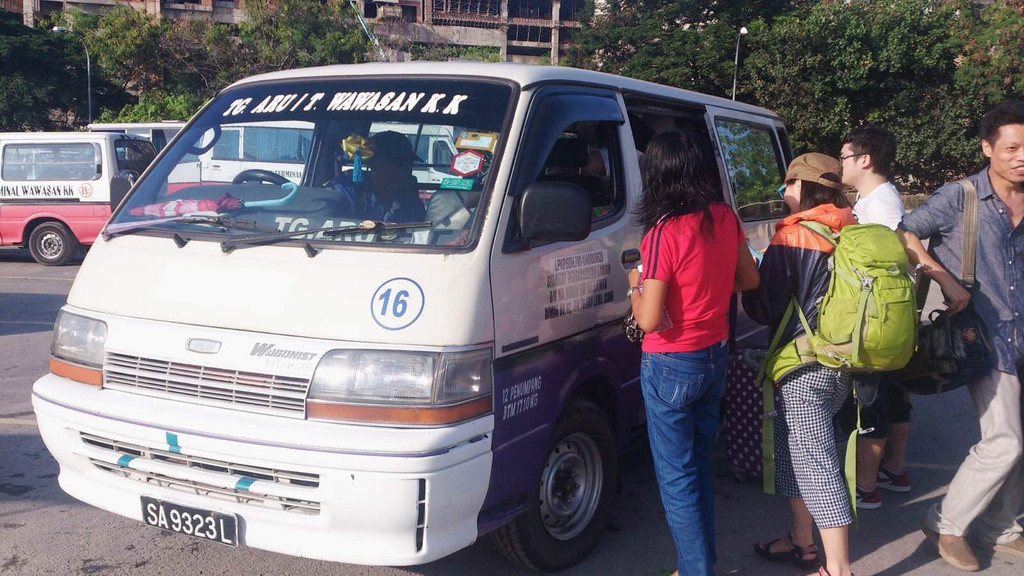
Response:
column 115, row 230
column 366, row 227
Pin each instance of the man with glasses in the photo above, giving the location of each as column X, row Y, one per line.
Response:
column 867, row 156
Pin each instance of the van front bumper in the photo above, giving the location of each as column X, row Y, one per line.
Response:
column 354, row 494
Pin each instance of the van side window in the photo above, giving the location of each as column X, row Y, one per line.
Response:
column 755, row 169
column 272, row 144
column 51, row 162
column 134, row 155
column 583, row 155
column 226, row 147
column 159, row 140
column 442, row 156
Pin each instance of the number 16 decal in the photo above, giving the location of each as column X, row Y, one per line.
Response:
column 397, row 303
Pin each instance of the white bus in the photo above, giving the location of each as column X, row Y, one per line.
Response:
column 159, row 133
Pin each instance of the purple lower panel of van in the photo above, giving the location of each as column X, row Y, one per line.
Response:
column 531, row 389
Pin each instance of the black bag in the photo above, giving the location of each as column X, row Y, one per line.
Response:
column 633, row 332
column 951, row 350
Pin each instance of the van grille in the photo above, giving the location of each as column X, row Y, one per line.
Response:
column 265, row 393
column 285, row 490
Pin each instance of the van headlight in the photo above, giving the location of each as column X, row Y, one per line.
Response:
column 391, row 387
column 78, row 348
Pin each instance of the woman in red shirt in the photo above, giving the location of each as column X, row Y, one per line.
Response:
column 694, row 257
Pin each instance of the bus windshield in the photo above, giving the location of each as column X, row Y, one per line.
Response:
column 314, row 156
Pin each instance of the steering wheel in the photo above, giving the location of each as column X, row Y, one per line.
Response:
column 258, row 175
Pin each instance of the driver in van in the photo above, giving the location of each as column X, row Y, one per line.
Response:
column 388, row 192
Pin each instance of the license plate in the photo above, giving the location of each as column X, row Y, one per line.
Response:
column 215, row 526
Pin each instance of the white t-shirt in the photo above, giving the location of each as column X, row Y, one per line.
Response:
column 883, row 206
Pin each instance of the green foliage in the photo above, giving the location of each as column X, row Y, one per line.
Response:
column 992, row 65
column 684, row 43
column 126, row 45
column 173, row 65
column 283, row 34
column 928, row 69
column 156, row 106
column 869, row 61
column 447, row 52
column 43, row 82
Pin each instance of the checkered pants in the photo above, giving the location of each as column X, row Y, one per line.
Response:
column 806, row 460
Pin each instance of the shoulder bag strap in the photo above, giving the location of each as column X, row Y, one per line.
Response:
column 970, row 233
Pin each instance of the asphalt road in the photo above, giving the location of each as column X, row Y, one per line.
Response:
column 43, row 531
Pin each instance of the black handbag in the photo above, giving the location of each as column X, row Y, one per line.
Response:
column 951, row 350
column 633, row 332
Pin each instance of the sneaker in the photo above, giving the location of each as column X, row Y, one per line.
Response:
column 868, row 500
column 887, row 480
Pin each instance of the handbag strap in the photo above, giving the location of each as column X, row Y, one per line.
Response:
column 970, row 245
column 970, row 249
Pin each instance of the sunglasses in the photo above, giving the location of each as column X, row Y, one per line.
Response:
column 782, row 189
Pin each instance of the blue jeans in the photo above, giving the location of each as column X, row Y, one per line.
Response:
column 681, row 393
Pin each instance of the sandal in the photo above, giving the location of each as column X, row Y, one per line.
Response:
column 766, row 553
column 795, row 554
column 822, row 571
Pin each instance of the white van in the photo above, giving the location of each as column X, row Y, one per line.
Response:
column 159, row 133
column 55, row 188
column 276, row 368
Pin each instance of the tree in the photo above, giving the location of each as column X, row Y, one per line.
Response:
column 683, row 43
column 838, row 64
column 283, row 34
column 43, row 84
column 176, row 65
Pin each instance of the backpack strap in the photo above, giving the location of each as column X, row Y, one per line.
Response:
column 820, row 229
column 850, row 465
column 970, row 248
column 768, row 401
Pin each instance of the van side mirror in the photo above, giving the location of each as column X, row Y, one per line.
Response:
column 555, row 212
column 120, row 184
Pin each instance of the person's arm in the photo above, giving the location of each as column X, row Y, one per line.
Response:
column 747, row 276
column 937, row 215
column 956, row 297
column 647, row 305
column 767, row 303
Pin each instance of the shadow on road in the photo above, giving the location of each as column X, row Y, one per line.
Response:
column 28, row 313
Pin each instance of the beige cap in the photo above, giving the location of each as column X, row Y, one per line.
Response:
column 816, row 167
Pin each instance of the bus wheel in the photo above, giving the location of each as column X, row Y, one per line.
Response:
column 573, row 497
column 52, row 244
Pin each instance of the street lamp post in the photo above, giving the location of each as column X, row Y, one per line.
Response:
column 736, row 63
column 88, row 68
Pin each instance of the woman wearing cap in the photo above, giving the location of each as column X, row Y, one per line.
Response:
column 795, row 268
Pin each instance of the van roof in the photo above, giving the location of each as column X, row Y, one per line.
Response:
column 163, row 124
column 525, row 75
column 72, row 136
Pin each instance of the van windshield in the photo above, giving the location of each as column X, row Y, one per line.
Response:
column 317, row 155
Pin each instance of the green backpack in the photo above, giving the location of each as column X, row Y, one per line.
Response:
column 867, row 321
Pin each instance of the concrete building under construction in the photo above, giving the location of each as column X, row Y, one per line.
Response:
column 520, row 30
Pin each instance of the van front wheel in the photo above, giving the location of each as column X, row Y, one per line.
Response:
column 573, row 497
column 52, row 244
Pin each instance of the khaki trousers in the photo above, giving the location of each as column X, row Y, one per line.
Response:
column 989, row 485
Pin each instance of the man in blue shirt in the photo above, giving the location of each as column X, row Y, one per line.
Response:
column 389, row 192
column 989, row 485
